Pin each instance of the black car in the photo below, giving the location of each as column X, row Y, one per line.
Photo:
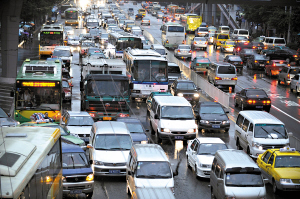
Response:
column 252, row 98
column 240, row 46
column 211, row 116
column 187, row 89
column 235, row 60
column 258, row 46
column 256, row 61
column 139, row 17
column 289, row 55
column 246, row 53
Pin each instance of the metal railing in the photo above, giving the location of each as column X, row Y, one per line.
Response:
column 294, row 142
column 194, row 7
column 231, row 21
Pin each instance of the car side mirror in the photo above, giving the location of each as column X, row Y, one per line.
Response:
column 220, row 180
column 268, row 165
column 89, row 146
column 156, row 117
column 91, row 161
column 290, row 134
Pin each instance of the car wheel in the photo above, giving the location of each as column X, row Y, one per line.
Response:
column 205, row 48
column 238, row 146
column 268, row 110
column 275, row 189
column 159, row 140
column 297, row 91
column 266, row 72
column 284, row 81
column 278, row 81
column 187, row 162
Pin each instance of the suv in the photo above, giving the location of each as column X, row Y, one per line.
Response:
column 130, row 11
column 187, row 89
column 287, row 73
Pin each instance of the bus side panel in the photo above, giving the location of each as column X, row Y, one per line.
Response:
column 24, row 116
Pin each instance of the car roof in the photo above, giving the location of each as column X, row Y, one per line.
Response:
column 78, row 113
column 149, row 152
column 260, row 117
column 110, row 127
column 70, row 148
column 210, row 140
column 128, row 120
column 172, row 101
column 210, row 103
column 184, row 80
column 285, row 153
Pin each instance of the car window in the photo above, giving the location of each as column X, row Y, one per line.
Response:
column 271, row 160
column 240, row 120
column 193, row 144
column 266, row 157
column 245, row 125
column 226, row 70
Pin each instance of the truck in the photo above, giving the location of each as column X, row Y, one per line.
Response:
column 105, row 91
column 192, row 23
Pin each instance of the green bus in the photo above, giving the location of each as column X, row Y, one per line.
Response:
column 38, row 89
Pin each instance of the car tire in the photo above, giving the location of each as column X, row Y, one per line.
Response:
column 238, row 145
column 205, row 48
column 274, row 188
column 268, row 110
column 212, row 195
column 248, row 150
column 266, row 72
column 159, row 140
column 297, row 91
column 279, row 81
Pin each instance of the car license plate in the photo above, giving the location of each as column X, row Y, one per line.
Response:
column 179, row 137
column 236, row 63
column 262, row 65
column 114, row 171
column 226, row 78
column 259, row 106
column 188, row 98
column 258, row 48
column 216, row 126
column 75, row 191
column 107, row 118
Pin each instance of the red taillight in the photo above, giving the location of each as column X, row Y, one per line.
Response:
column 234, row 78
column 274, row 64
column 195, row 42
column 281, row 62
column 183, row 42
column 92, row 114
column 253, row 47
column 251, row 101
column 206, row 43
column 167, row 41
column 178, row 51
column 238, row 49
column 268, row 102
column 256, row 61
column 190, row 51
column 288, row 75
column 218, row 78
column 295, row 55
column 142, row 20
column 197, row 64
column 242, row 63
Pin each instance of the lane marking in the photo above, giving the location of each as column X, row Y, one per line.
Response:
column 286, row 114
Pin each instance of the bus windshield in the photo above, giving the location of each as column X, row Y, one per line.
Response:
column 107, row 88
column 46, row 38
column 175, row 29
column 71, row 15
column 146, row 70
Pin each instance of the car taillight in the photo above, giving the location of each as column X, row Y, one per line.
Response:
column 295, row 55
column 266, row 101
column 197, row 64
column 238, row 49
column 183, row 42
column 256, row 61
column 288, row 75
column 92, row 114
column 190, row 51
column 265, row 47
column 242, row 63
column 206, row 43
column 274, row 64
column 167, row 41
column 195, row 42
column 253, row 47
column 178, row 51
column 251, row 101
column 234, row 78
column 218, row 78
column 142, row 20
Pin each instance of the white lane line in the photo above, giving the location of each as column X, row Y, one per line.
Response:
column 286, row 114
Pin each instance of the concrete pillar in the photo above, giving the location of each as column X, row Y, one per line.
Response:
column 214, row 14
column 209, row 14
column 205, row 18
column 222, row 20
column 10, row 19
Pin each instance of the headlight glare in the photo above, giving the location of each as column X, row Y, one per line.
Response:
column 192, row 131
column 204, row 121
column 165, row 130
column 90, row 177
column 180, row 94
column 196, row 95
column 225, row 122
column 144, row 142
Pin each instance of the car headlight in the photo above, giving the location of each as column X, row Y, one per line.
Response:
column 180, row 94
column 165, row 130
column 225, row 122
column 283, row 180
column 64, row 179
column 96, row 162
column 257, row 145
column 90, row 177
column 205, row 165
column 196, row 95
column 192, row 131
column 204, row 121
column 144, row 142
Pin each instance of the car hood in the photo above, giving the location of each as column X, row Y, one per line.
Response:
column 216, row 117
column 73, row 139
column 136, row 137
column 111, row 156
column 77, row 171
column 7, row 121
column 79, row 129
column 205, row 159
column 288, row 172
column 178, row 125
column 187, row 91
column 148, row 182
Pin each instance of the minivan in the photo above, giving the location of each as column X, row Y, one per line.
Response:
column 110, row 143
column 148, row 167
column 273, row 41
column 257, row 131
column 235, row 175
column 171, row 117
column 224, row 29
column 240, row 32
column 222, row 74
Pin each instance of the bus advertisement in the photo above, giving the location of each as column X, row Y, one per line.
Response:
column 38, row 89
column 50, row 36
column 71, row 17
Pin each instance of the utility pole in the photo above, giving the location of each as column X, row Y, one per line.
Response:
column 288, row 36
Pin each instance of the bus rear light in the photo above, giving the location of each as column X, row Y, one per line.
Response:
column 92, row 114
column 167, row 41
column 218, row 78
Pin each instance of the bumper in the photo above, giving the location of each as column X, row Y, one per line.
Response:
column 254, row 152
column 288, row 186
column 184, row 55
column 85, row 187
column 200, row 45
column 109, row 170
column 46, row 53
column 147, row 23
column 168, row 136
column 214, row 126
column 228, row 50
column 203, row 172
column 225, row 82
column 258, row 106
column 200, row 70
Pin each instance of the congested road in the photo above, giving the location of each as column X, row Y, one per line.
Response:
column 285, row 106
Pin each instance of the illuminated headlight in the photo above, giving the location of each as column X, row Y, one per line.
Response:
column 64, row 179
column 165, row 130
column 144, row 142
column 90, row 177
column 192, row 131
column 68, row 94
column 257, row 145
column 180, row 94
column 96, row 162
column 196, row 95
column 283, row 180
column 225, row 122
column 204, row 121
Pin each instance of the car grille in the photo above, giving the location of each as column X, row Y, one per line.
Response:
column 177, row 132
column 110, row 106
column 114, row 164
column 296, row 181
column 76, row 187
column 272, row 146
column 76, row 179
column 215, row 122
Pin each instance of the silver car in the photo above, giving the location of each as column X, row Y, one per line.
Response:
column 183, row 51
column 159, row 15
column 199, row 42
column 145, row 21
column 201, row 32
column 209, row 38
column 295, row 84
column 287, row 73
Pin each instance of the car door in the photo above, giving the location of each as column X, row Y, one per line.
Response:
column 262, row 163
column 244, row 134
column 190, row 151
column 152, row 115
column 193, row 156
column 242, row 97
column 132, row 173
column 294, row 81
column 269, row 169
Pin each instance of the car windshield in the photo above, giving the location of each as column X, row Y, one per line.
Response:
column 226, row 70
column 2, row 114
column 244, row 180
column 287, row 161
column 61, row 53
column 175, row 29
column 173, row 69
column 211, row 110
column 183, row 47
column 186, row 86
column 176, row 112
column 279, row 41
column 203, row 30
column 113, row 142
column 256, row 93
column 80, row 121
column 223, row 37
column 210, row 149
column 235, row 58
column 65, row 84
column 249, row 51
column 153, row 170
column 161, row 51
column 74, row 160
column 243, row 32
column 199, row 39
column 271, row 131
column 135, row 127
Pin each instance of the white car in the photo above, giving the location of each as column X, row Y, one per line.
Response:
column 199, row 42
column 295, row 84
column 201, row 152
column 183, row 51
column 145, row 21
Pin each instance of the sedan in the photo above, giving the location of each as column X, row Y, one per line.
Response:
column 199, row 42
column 273, row 67
column 295, row 84
column 256, row 61
column 183, row 51
column 289, row 55
column 200, row 64
column 258, row 46
column 252, row 98
column 287, row 73
column 246, row 53
column 227, row 46
column 159, row 15
column 235, row 60
column 240, row 39
column 209, row 38
column 240, row 46
column 211, row 116
column 67, row 90
column 145, row 21
column 139, row 17
column 6, row 120
column 201, row 152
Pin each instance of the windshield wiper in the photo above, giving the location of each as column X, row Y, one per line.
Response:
column 101, row 148
column 73, row 161
column 83, row 160
column 279, row 133
column 267, row 132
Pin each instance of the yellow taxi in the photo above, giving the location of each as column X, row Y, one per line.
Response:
column 282, row 168
column 227, row 46
column 142, row 11
column 219, row 39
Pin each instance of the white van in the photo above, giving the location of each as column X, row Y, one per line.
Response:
column 224, row 29
column 172, row 34
column 274, row 41
column 171, row 117
column 240, row 32
column 257, row 131
column 110, row 143
column 235, row 175
column 148, row 167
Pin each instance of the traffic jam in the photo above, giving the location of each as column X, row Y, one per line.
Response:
column 161, row 104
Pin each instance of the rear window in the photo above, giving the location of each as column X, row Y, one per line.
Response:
column 258, row 93
column 279, row 41
column 225, row 28
column 176, row 29
column 223, row 37
column 203, row 29
column 173, row 69
column 235, row 58
column 243, row 32
column 226, row 70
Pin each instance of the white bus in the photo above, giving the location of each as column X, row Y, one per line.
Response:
column 148, row 72
column 31, row 163
column 172, row 34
